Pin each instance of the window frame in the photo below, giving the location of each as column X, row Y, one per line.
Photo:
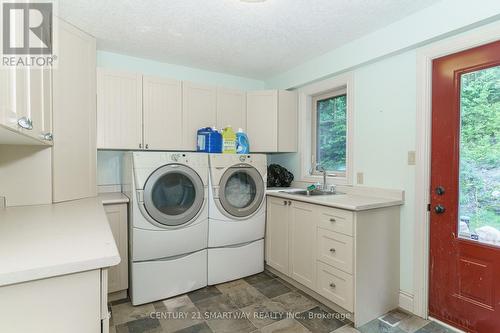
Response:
column 306, row 94
column 314, row 130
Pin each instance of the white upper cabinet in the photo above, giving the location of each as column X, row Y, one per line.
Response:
column 119, row 110
column 199, row 110
column 74, row 116
column 272, row 121
column 25, row 103
column 231, row 108
column 262, row 120
column 287, row 121
column 162, row 113
column 13, row 96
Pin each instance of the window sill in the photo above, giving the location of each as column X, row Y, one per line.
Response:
column 329, row 179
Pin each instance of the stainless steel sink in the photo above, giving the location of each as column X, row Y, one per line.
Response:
column 311, row 193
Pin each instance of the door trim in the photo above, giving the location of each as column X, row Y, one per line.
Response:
column 425, row 56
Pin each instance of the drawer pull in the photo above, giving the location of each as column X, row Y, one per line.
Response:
column 285, row 202
column 332, row 250
column 332, row 285
column 333, row 220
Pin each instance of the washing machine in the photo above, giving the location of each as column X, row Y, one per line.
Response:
column 237, row 216
column 168, row 231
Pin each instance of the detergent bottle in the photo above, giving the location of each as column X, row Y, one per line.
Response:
column 228, row 140
column 242, row 145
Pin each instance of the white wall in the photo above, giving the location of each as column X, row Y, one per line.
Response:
column 384, row 130
column 109, row 167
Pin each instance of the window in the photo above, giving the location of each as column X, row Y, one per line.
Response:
column 329, row 132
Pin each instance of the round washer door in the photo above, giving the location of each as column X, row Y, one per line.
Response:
column 241, row 190
column 173, row 195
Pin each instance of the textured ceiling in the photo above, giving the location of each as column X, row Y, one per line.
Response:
column 255, row 40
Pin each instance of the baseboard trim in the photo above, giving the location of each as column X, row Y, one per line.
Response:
column 406, row 301
column 118, row 295
column 451, row 328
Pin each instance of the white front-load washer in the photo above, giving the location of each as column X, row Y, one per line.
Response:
column 168, row 194
column 237, row 216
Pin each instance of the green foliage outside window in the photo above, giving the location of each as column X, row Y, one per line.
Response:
column 331, row 133
column 480, row 148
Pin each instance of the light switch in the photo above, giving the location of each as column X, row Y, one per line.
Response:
column 360, row 177
column 411, row 157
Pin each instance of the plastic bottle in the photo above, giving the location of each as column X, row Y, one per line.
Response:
column 209, row 140
column 228, row 140
column 242, row 144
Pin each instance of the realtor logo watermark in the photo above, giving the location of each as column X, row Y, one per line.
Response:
column 27, row 34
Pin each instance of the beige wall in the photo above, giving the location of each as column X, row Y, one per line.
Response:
column 25, row 175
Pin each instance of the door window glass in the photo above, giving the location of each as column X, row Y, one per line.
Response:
column 173, row 194
column 479, row 212
column 240, row 190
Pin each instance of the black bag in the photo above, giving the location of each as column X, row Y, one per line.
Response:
column 278, row 176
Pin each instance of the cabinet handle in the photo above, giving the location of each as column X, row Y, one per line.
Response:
column 140, row 145
column 47, row 136
column 25, row 123
column 289, row 203
column 332, row 285
column 332, row 250
column 284, row 202
column 333, row 220
column 147, row 146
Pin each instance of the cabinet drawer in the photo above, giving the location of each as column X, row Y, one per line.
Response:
column 337, row 220
column 335, row 285
column 335, row 249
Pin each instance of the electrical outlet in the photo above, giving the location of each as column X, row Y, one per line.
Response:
column 411, row 157
column 359, row 178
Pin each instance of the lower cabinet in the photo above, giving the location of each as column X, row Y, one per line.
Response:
column 75, row 303
column 277, row 250
column 302, row 235
column 118, row 275
column 350, row 258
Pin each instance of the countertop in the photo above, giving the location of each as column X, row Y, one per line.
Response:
column 50, row 240
column 111, row 198
column 348, row 201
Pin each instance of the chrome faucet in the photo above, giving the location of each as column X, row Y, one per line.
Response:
column 323, row 170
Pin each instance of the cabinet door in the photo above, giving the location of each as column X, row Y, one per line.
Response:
column 287, row 121
column 117, row 218
column 277, row 234
column 162, row 113
column 199, row 110
column 61, row 304
column 26, row 92
column 74, row 116
column 262, row 120
column 119, row 110
column 13, row 96
column 231, row 108
column 40, row 101
column 302, row 240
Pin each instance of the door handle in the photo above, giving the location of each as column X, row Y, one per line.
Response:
column 439, row 190
column 25, row 123
column 439, row 209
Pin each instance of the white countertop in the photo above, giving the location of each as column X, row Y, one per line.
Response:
column 49, row 240
column 111, row 198
column 348, row 201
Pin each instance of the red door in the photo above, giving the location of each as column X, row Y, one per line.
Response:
column 465, row 190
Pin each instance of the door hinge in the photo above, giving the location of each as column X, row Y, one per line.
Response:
column 428, row 207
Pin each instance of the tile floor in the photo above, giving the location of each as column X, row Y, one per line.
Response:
column 259, row 303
